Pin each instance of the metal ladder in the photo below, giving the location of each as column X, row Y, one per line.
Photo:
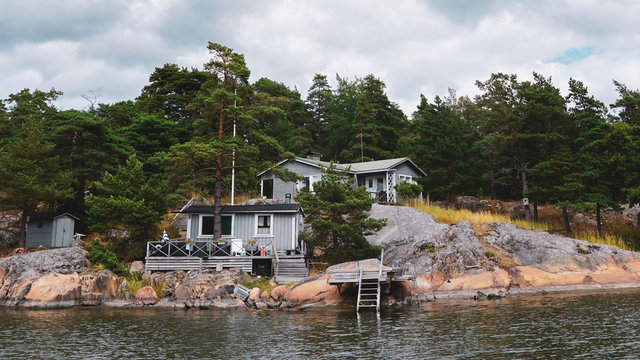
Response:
column 369, row 287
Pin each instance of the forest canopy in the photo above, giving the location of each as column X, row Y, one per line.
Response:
column 517, row 138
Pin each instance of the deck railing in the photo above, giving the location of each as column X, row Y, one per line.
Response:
column 207, row 248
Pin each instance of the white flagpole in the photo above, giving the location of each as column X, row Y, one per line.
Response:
column 233, row 158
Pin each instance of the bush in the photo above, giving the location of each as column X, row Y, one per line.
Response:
column 100, row 255
column 408, row 191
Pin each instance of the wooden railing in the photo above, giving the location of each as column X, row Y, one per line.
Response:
column 275, row 257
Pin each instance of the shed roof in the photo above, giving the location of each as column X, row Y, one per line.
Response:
column 233, row 209
column 50, row 216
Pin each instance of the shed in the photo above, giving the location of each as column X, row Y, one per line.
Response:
column 50, row 230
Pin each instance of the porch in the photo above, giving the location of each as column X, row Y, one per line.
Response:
column 259, row 257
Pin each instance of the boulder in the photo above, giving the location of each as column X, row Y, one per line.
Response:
column 136, row 266
column 313, row 290
column 264, row 296
column 254, row 294
column 277, row 293
column 104, row 282
column 54, row 291
column 219, row 293
column 146, row 296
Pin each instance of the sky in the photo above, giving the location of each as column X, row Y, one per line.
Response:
column 108, row 48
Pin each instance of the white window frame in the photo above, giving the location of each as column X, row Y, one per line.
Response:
column 312, row 180
column 405, row 178
column 255, row 227
column 200, row 222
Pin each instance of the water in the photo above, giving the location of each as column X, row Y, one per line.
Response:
column 559, row 326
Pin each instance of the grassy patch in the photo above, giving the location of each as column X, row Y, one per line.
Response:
column 133, row 285
column 259, row 282
column 479, row 220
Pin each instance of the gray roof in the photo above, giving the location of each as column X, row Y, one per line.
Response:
column 355, row 168
column 233, row 209
column 380, row 165
column 50, row 216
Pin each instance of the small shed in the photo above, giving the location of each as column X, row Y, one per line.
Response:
column 50, row 230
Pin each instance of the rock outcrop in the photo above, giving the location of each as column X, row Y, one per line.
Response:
column 55, row 278
column 497, row 257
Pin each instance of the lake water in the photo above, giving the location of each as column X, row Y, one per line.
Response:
column 594, row 325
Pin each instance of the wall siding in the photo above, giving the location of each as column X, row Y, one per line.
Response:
column 243, row 226
column 282, row 231
column 281, row 188
column 39, row 237
column 195, row 219
column 406, row 169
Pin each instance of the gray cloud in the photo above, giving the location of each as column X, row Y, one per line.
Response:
column 413, row 46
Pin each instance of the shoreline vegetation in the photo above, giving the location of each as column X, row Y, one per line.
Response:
column 450, row 216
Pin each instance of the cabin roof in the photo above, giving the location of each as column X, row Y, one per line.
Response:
column 355, row 168
column 234, row 209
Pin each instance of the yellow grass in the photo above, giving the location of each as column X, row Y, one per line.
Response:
column 477, row 219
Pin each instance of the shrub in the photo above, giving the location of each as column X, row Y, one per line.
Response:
column 260, row 282
column 100, row 255
column 408, row 191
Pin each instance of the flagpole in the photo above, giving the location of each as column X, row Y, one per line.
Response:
column 233, row 158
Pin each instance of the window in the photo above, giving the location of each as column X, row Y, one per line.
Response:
column 267, row 188
column 370, row 183
column 306, row 183
column 207, row 228
column 264, row 224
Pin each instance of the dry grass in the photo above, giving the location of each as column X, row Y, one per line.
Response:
column 452, row 216
column 479, row 219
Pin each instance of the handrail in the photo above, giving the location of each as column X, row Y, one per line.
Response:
column 381, row 259
column 359, row 285
column 379, row 276
column 275, row 255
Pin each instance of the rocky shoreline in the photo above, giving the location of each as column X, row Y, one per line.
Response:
column 449, row 261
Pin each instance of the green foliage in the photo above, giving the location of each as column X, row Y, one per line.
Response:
column 128, row 201
column 337, row 213
column 260, row 282
column 408, row 191
column 441, row 141
column 100, row 255
column 489, row 254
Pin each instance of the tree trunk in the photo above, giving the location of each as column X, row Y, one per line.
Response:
column 217, row 201
column 525, row 191
column 598, row 220
column 535, row 211
column 23, row 229
column 565, row 217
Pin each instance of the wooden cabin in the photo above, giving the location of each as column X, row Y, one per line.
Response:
column 378, row 177
column 260, row 239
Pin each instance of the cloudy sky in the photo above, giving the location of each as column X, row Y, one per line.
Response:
column 111, row 47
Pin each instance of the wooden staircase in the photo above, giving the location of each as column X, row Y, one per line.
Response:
column 369, row 287
column 291, row 269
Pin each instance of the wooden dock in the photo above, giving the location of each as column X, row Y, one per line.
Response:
column 369, row 281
